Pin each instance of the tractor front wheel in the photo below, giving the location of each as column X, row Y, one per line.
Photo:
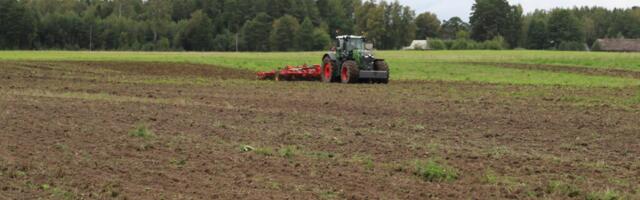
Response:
column 382, row 66
column 327, row 70
column 350, row 72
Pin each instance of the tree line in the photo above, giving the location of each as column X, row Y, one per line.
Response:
column 293, row 25
column 495, row 24
column 199, row 25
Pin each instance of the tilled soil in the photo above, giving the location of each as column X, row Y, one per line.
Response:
column 66, row 132
column 568, row 69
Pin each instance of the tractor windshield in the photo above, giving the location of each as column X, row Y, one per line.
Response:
column 355, row 44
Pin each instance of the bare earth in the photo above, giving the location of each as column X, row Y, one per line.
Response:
column 66, row 133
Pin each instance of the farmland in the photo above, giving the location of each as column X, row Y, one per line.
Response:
column 450, row 125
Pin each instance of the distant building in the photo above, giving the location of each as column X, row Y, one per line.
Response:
column 625, row 45
column 417, row 45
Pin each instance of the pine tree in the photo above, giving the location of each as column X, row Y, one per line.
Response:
column 197, row 35
column 17, row 25
column 255, row 33
column 305, row 35
column 321, row 39
column 283, row 34
column 537, row 35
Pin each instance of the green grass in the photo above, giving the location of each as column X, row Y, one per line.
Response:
column 142, row 131
column 562, row 188
column 604, row 195
column 288, row 151
column 433, row 171
column 405, row 65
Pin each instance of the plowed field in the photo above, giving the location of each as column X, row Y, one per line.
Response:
column 135, row 130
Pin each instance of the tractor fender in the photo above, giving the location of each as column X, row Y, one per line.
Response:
column 330, row 55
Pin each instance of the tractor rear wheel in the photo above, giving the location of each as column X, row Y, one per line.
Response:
column 326, row 75
column 350, row 72
column 382, row 66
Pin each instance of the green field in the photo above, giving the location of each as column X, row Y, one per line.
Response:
column 471, row 66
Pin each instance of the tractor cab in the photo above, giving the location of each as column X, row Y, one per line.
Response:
column 350, row 43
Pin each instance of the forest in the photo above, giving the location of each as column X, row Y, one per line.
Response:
column 296, row 25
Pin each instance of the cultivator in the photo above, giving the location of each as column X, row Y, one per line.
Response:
column 351, row 61
column 293, row 73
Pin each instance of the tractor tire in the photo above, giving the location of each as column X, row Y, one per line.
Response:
column 328, row 67
column 350, row 72
column 382, row 66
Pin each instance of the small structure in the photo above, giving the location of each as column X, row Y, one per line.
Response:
column 417, row 45
column 624, row 45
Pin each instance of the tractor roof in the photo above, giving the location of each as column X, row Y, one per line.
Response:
column 350, row 36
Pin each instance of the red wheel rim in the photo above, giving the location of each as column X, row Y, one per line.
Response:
column 345, row 74
column 327, row 71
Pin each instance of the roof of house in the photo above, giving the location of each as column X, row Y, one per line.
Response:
column 618, row 44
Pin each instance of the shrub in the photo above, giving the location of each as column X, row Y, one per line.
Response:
column 463, row 44
column 496, row 43
column 163, row 44
column 572, row 46
column 147, row 46
column 435, row 172
column 437, row 44
column 448, row 43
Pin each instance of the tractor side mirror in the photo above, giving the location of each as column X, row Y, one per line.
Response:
column 368, row 46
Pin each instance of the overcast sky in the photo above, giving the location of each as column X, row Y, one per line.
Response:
column 446, row 9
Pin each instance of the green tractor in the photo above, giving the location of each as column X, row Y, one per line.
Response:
column 351, row 61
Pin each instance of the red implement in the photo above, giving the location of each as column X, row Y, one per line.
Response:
column 292, row 73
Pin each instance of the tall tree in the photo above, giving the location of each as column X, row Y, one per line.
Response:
column 370, row 22
column 492, row 18
column 182, row 9
column 17, row 25
column 537, row 35
column 255, row 33
column 321, row 39
column 158, row 15
column 513, row 31
column 283, row 34
column 334, row 14
column 428, row 25
column 304, row 36
column 564, row 27
column 197, row 35
column 450, row 28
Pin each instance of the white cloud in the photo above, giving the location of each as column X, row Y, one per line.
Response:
column 446, row 9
